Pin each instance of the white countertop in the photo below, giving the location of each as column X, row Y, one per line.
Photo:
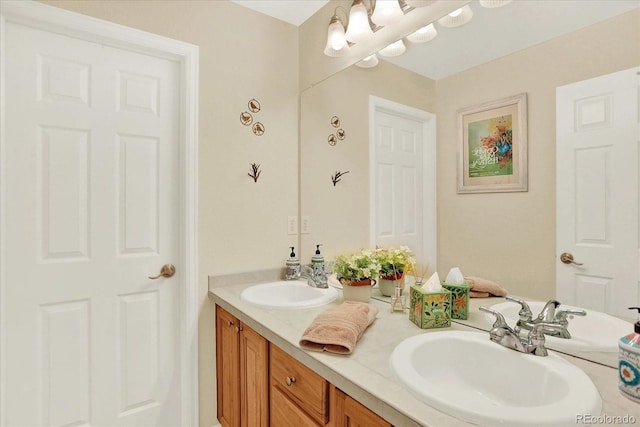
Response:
column 365, row 374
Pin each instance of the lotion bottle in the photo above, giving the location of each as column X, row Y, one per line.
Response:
column 629, row 363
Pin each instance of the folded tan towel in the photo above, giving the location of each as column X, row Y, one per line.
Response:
column 338, row 329
column 483, row 288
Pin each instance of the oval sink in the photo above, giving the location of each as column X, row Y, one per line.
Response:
column 596, row 331
column 471, row 378
column 285, row 294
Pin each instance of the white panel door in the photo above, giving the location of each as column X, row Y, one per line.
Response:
column 92, row 152
column 597, row 192
column 398, row 182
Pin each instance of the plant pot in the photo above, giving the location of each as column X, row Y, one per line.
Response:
column 387, row 284
column 357, row 290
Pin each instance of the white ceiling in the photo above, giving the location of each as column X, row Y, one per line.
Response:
column 292, row 11
column 491, row 34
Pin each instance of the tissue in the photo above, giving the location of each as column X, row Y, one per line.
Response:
column 455, row 277
column 433, row 284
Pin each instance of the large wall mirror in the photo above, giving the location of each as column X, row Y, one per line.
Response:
column 506, row 237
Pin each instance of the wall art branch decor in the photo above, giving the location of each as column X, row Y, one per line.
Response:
column 336, row 178
column 340, row 134
column 492, row 151
column 246, row 118
column 255, row 172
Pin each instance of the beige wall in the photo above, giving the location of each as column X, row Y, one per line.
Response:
column 340, row 214
column 510, row 237
column 243, row 55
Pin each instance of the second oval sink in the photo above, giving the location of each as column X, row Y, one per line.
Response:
column 469, row 377
column 285, row 294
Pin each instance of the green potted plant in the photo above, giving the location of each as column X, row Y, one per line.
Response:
column 394, row 263
column 357, row 272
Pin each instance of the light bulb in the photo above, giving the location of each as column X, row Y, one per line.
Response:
column 358, row 30
column 335, row 35
column 386, row 12
column 423, row 34
column 394, row 49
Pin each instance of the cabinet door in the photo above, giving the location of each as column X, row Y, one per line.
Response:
column 227, row 368
column 285, row 413
column 254, row 378
column 347, row 412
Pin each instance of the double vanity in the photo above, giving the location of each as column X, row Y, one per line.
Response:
column 401, row 375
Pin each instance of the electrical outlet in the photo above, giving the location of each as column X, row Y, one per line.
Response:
column 305, row 224
column 292, row 225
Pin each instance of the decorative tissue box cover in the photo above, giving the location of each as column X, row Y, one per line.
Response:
column 430, row 310
column 459, row 299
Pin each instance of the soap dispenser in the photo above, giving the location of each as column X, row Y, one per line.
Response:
column 629, row 364
column 293, row 266
column 317, row 267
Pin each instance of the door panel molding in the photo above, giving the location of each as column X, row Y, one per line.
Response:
column 48, row 18
column 429, row 221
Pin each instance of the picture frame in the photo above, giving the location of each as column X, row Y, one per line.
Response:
column 492, row 151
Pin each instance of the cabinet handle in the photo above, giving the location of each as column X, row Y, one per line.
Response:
column 290, row 380
column 239, row 329
column 230, row 323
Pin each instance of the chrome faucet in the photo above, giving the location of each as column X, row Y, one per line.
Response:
column 548, row 312
column 316, row 277
column 506, row 336
column 548, row 315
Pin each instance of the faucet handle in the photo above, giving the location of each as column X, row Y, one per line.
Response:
column 562, row 314
column 525, row 312
column 536, row 337
column 500, row 322
column 537, row 331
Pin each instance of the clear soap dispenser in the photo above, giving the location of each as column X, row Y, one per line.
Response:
column 293, row 266
column 629, row 363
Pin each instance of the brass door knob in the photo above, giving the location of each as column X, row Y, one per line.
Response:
column 167, row 270
column 567, row 258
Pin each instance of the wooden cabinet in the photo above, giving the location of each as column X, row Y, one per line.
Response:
column 260, row 385
column 347, row 412
column 242, row 363
column 299, row 396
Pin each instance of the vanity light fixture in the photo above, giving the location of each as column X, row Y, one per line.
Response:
column 386, row 12
column 337, row 44
column 358, row 28
column 423, row 35
column 457, row 18
column 394, row 49
column 368, row 62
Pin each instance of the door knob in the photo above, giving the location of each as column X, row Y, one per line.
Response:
column 167, row 270
column 567, row 258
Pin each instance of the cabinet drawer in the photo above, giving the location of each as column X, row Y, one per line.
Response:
column 285, row 413
column 304, row 387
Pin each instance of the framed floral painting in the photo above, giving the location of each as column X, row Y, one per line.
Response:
column 492, row 155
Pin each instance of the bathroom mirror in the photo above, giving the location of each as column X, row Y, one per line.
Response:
column 506, row 237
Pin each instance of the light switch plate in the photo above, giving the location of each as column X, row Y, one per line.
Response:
column 305, row 224
column 292, row 225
